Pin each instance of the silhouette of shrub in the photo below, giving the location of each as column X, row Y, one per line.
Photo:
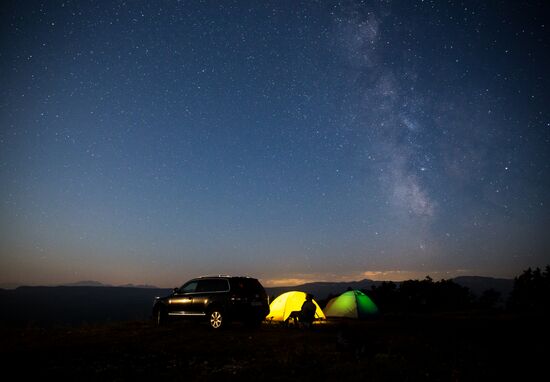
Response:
column 421, row 296
column 531, row 290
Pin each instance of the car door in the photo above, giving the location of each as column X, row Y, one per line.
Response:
column 207, row 292
column 202, row 295
column 181, row 302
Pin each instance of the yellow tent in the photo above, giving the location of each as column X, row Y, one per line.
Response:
column 282, row 306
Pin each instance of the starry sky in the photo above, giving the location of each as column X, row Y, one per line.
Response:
column 154, row 141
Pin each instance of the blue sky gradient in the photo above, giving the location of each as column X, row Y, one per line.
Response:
column 152, row 142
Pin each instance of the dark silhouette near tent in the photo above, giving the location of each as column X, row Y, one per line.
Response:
column 305, row 315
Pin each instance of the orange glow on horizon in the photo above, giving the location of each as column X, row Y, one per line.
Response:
column 386, row 275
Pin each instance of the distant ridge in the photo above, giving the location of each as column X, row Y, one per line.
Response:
column 91, row 283
column 83, row 283
column 88, row 283
column 143, row 286
column 9, row 285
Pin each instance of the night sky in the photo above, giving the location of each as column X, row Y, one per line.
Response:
column 155, row 141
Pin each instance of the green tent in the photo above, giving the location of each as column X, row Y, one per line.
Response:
column 351, row 304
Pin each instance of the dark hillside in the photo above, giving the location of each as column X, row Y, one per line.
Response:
column 75, row 305
column 479, row 284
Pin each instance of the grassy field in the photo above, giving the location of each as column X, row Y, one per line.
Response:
column 441, row 348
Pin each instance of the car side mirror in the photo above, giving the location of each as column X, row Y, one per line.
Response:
column 176, row 290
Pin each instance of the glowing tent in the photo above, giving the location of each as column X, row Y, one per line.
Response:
column 282, row 306
column 351, row 304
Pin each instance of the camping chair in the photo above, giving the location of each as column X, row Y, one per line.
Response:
column 306, row 320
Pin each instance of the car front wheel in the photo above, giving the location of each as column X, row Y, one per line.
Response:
column 160, row 317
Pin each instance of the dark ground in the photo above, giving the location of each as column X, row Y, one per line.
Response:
column 441, row 348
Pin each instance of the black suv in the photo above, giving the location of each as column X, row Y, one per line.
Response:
column 218, row 299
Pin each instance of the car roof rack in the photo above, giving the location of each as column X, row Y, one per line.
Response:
column 206, row 276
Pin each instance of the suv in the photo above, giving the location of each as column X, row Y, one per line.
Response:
column 218, row 299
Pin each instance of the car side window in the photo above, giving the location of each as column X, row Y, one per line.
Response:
column 213, row 285
column 189, row 287
column 203, row 286
column 220, row 285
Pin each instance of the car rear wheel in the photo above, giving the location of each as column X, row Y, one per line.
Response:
column 216, row 319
